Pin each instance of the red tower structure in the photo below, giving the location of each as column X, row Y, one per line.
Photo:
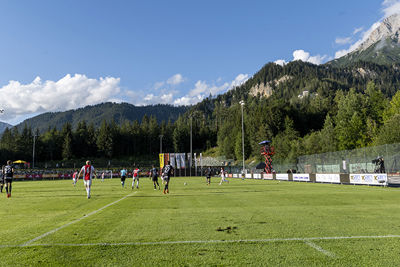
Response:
column 267, row 151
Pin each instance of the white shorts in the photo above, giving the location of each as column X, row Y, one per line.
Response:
column 87, row 182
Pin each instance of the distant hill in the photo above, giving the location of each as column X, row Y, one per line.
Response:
column 3, row 126
column 119, row 113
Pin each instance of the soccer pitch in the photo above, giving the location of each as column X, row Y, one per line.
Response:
column 245, row 222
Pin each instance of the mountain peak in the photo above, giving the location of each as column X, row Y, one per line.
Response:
column 388, row 28
column 381, row 47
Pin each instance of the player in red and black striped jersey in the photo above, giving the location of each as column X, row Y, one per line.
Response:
column 136, row 172
column 88, row 172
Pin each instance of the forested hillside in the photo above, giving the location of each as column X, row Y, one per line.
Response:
column 319, row 109
column 118, row 113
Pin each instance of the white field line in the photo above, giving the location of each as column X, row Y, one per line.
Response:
column 270, row 240
column 320, row 249
column 75, row 221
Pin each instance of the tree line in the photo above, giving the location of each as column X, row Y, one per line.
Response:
column 110, row 140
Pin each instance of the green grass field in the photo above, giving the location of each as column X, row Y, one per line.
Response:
column 247, row 222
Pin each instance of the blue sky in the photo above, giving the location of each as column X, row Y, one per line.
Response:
column 59, row 55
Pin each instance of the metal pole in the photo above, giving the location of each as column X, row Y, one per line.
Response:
column 161, row 136
column 242, row 104
column 33, row 152
column 190, row 162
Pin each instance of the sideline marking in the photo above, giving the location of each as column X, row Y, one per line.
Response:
column 270, row 240
column 320, row 249
column 75, row 221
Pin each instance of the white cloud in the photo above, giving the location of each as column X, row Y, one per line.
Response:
column 158, row 85
column 202, row 90
column 176, row 79
column 390, row 7
column 239, row 80
column 149, row 97
column 306, row 57
column 281, row 62
column 70, row 92
column 343, row 41
column 166, row 98
column 357, row 30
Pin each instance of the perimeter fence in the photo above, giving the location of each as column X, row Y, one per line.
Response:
column 362, row 160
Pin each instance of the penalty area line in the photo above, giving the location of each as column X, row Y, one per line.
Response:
column 72, row 222
column 320, row 249
column 270, row 240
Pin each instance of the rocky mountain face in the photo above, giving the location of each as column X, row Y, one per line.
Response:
column 381, row 47
column 389, row 28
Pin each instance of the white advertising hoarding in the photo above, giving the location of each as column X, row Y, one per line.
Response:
column 301, row 177
column 248, row 175
column 267, row 176
column 257, row 176
column 328, row 178
column 369, row 178
column 282, row 176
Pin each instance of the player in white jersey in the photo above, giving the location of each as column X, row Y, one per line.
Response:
column 87, row 172
column 223, row 174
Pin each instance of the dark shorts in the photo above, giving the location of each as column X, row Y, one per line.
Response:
column 8, row 180
column 155, row 178
column 166, row 179
column 123, row 178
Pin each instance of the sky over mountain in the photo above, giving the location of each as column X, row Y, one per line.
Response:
column 59, row 55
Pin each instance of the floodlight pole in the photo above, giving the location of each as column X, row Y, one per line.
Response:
column 33, row 151
column 242, row 104
column 190, row 162
column 161, row 137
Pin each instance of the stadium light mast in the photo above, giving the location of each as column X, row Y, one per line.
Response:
column 242, row 105
column 190, row 163
column 161, row 137
column 33, row 151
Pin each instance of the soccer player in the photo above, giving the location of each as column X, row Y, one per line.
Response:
column 102, row 176
column 223, row 173
column 154, row 175
column 1, row 179
column 74, row 177
column 208, row 175
column 168, row 171
column 135, row 178
column 87, row 172
column 8, row 172
column 123, row 177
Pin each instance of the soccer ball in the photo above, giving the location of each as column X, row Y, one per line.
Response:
column 184, row 183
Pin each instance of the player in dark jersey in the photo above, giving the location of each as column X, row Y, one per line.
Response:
column 154, row 176
column 208, row 175
column 1, row 179
column 8, row 172
column 168, row 171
